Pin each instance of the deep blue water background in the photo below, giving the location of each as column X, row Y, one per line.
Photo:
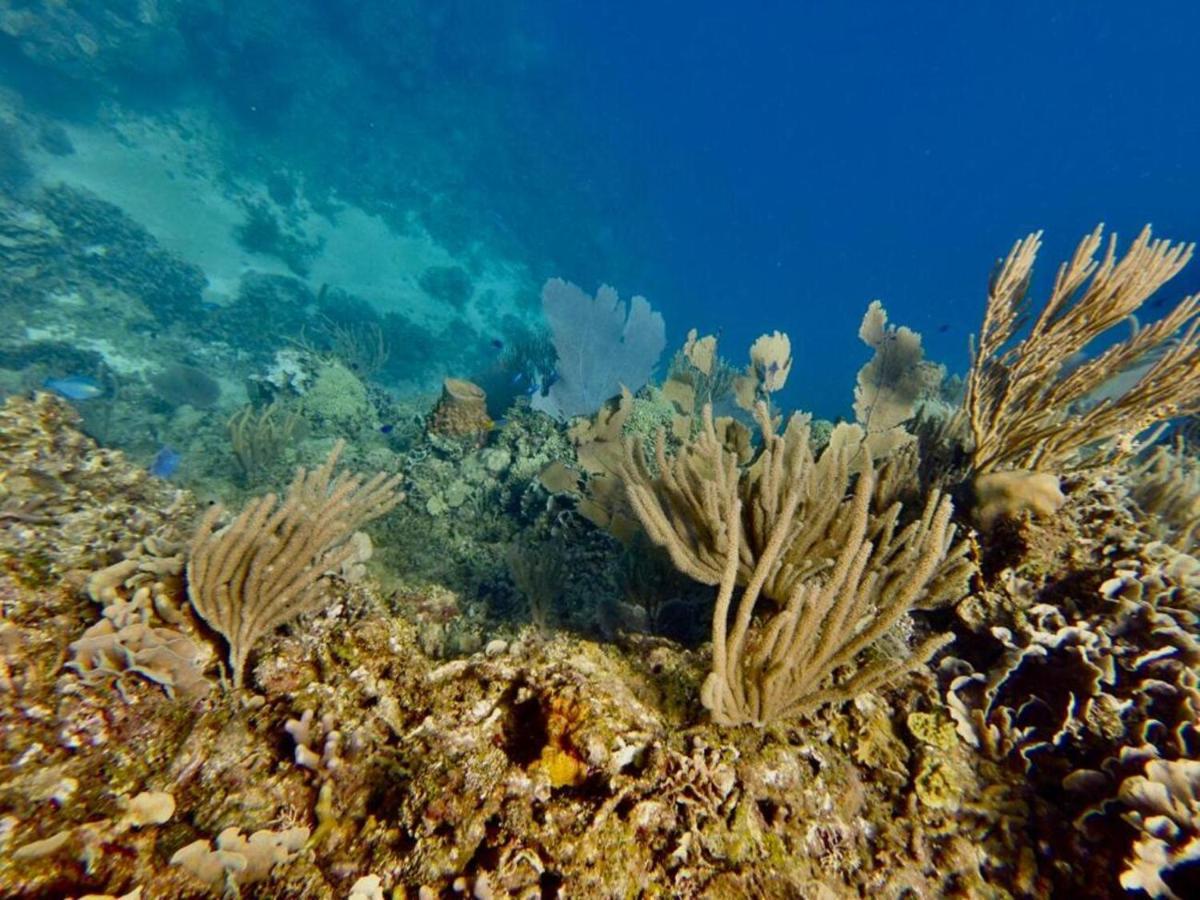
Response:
column 745, row 167
column 799, row 160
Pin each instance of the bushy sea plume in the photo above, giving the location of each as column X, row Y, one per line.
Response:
column 267, row 566
column 841, row 571
column 1026, row 405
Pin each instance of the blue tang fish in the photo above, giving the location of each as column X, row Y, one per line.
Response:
column 75, row 387
column 165, row 463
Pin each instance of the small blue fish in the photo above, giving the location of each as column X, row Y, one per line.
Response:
column 166, row 463
column 386, row 429
column 75, row 387
column 497, row 344
column 518, row 378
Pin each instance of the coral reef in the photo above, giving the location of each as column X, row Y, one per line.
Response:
column 374, row 747
column 52, row 474
column 505, row 689
column 116, row 250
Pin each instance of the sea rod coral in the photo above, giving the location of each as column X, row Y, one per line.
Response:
column 842, row 573
column 266, row 566
column 1028, row 409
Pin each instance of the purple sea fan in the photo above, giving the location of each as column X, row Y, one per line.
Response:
column 600, row 347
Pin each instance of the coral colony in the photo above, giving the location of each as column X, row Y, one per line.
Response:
column 633, row 635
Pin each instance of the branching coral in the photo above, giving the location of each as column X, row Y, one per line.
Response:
column 1166, row 484
column 683, row 502
column 1027, row 407
column 783, row 527
column 258, row 436
column 785, row 666
column 265, row 567
column 685, row 506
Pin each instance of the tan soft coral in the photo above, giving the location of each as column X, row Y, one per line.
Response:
column 1031, row 406
column 809, row 533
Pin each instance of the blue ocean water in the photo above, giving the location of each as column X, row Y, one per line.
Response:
column 799, row 160
column 744, row 169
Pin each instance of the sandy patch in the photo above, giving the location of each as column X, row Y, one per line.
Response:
column 166, row 176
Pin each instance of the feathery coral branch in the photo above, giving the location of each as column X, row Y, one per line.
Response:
column 265, row 567
column 841, row 573
column 1026, row 407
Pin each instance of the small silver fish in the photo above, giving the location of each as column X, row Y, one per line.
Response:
column 75, row 387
